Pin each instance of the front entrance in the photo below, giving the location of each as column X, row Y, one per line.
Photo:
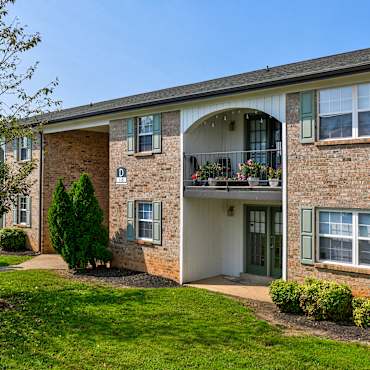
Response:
column 264, row 241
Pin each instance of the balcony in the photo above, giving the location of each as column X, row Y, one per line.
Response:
column 234, row 175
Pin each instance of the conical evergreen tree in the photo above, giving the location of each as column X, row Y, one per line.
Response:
column 91, row 236
column 61, row 223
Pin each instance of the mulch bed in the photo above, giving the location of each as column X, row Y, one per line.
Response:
column 299, row 324
column 120, row 278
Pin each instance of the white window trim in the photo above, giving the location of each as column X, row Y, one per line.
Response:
column 20, row 210
column 20, row 147
column 143, row 134
column 355, row 238
column 142, row 220
column 355, row 111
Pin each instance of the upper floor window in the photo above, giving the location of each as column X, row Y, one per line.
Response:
column 145, row 133
column 344, row 112
column 344, row 237
column 22, row 148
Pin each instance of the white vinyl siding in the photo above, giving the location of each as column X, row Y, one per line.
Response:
column 344, row 237
column 344, row 112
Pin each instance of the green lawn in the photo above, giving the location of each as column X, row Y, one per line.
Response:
column 60, row 324
column 7, row 260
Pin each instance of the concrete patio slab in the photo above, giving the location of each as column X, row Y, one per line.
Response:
column 224, row 285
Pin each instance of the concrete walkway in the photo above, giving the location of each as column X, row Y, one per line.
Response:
column 224, row 285
column 41, row 262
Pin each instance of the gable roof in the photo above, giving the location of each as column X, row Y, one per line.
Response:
column 330, row 66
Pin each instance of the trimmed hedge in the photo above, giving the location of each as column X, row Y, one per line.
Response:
column 324, row 300
column 361, row 312
column 12, row 239
column 286, row 294
column 321, row 300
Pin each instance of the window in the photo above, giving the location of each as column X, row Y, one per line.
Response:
column 336, row 113
column 145, row 220
column 22, row 148
column 364, row 110
column 2, row 150
column 344, row 237
column 344, row 112
column 145, row 133
column 22, row 211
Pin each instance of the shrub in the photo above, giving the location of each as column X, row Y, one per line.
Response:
column 61, row 224
column 324, row 300
column 12, row 239
column 286, row 294
column 91, row 234
column 76, row 225
column 361, row 312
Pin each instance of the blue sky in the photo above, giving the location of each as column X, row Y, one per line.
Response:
column 105, row 49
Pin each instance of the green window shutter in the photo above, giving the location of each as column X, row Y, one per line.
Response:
column 130, row 231
column 157, row 134
column 29, row 148
column 28, row 215
column 131, row 136
column 15, row 149
column 157, row 222
column 15, row 212
column 307, row 236
column 308, row 117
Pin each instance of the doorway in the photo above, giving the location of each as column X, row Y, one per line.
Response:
column 264, row 240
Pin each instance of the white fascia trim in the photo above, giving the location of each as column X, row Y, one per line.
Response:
column 73, row 125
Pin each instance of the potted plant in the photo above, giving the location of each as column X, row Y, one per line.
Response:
column 274, row 176
column 250, row 171
column 209, row 173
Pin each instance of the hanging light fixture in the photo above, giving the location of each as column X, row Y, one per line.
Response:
column 261, row 120
column 225, row 117
column 213, row 124
column 247, row 116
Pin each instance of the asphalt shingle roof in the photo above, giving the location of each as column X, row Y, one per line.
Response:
column 350, row 62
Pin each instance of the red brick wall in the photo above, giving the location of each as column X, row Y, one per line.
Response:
column 33, row 231
column 155, row 177
column 323, row 176
column 68, row 154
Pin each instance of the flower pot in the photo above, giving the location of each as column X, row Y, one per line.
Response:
column 212, row 182
column 253, row 181
column 274, row 183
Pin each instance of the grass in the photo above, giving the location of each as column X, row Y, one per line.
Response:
column 62, row 324
column 7, row 260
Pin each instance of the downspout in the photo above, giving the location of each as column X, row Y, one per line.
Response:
column 41, row 164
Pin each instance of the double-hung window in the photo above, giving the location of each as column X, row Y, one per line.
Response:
column 145, row 133
column 22, row 211
column 335, row 113
column 145, row 220
column 344, row 112
column 344, row 237
column 22, row 148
